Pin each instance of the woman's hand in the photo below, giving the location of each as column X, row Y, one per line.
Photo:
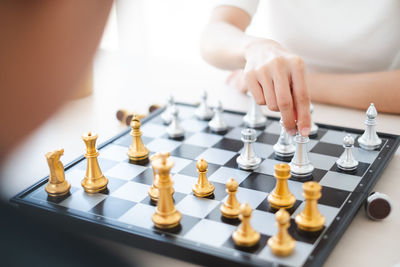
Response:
column 276, row 78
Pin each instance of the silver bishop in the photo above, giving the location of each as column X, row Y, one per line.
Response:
column 218, row 124
column 204, row 111
column 284, row 148
column 370, row 140
column 254, row 118
column 174, row 130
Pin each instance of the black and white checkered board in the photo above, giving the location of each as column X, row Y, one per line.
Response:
column 124, row 211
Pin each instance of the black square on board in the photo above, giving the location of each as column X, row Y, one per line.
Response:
column 333, row 196
column 316, row 176
column 232, row 162
column 41, row 194
column 112, row 207
column 360, row 171
column 259, row 182
column 267, row 138
column 264, row 206
column 215, row 215
column 113, row 184
column 145, row 177
column 253, row 250
column 299, row 235
column 186, row 224
column 191, row 169
column 187, row 151
column 208, row 130
column 320, row 133
column 328, row 149
column 177, row 197
column 229, row 144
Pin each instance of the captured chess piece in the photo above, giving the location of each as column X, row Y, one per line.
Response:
column 254, row 118
column 248, row 159
column 174, row 130
column 370, row 140
column 137, row 151
column 94, row 180
column 282, row 244
column 231, row 207
column 153, row 190
column 310, row 219
column 218, row 124
column 57, row 185
column 314, row 127
column 204, row 112
column 300, row 166
column 346, row 161
column 126, row 117
column 284, row 148
column 166, row 216
column 378, row 206
column 203, row 188
column 166, row 116
column 245, row 235
column 281, row 197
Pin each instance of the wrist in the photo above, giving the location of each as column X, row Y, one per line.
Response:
column 257, row 45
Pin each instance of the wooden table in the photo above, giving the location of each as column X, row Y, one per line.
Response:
column 134, row 84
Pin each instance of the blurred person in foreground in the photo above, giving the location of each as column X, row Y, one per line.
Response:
column 344, row 53
column 46, row 49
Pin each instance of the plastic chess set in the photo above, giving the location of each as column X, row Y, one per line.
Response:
column 123, row 212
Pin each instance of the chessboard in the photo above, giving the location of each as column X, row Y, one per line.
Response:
column 123, row 212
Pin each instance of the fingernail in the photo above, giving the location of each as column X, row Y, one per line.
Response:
column 305, row 131
column 291, row 131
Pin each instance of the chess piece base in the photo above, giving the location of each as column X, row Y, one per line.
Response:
column 278, row 203
column 94, row 185
column 254, row 123
column 154, row 194
column 246, row 240
column 248, row 165
column 135, row 157
column 284, row 151
column 307, row 225
column 203, row 191
column 280, row 249
column 301, row 171
column 58, row 190
column 167, row 221
column 230, row 212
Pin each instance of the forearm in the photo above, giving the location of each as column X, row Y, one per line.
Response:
column 223, row 45
column 357, row 90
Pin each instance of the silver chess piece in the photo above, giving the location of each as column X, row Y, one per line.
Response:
column 346, row 161
column 248, row 159
column 300, row 166
column 166, row 116
column 284, row 147
column 314, row 127
column 174, row 130
column 254, row 118
column 370, row 140
column 204, row 112
column 218, row 124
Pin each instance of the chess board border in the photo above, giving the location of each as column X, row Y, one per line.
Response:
column 158, row 241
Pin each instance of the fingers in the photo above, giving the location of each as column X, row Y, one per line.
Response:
column 268, row 89
column 254, row 87
column 285, row 101
column 301, row 97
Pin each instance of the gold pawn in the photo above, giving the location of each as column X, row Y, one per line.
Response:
column 57, row 185
column 281, row 197
column 245, row 235
column 203, row 188
column 153, row 190
column 137, row 151
column 282, row 244
column 166, row 216
column 310, row 219
column 94, row 180
column 231, row 207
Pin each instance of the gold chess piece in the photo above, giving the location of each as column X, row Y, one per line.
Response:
column 57, row 185
column 245, row 235
column 282, row 244
column 310, row 219
column 231, row 207
column 281, row 197
column 137, row 151
column 153, row 190
column 94, row 180
column 203, row 188
column 166, row 216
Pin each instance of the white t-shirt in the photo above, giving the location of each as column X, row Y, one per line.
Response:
column 331, row 35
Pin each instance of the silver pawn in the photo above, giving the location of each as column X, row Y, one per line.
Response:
column 248, row 159
column 218, row 124
column 284, row 147
column 300, row 166
column 370, row 140
column 174, row 130
column 254, row 118
column 314, row 127
column 166, row 116
column 346, row 161
column 204, row 112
